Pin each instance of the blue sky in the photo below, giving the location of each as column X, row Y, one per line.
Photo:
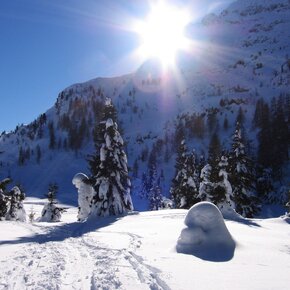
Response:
column 47, row 45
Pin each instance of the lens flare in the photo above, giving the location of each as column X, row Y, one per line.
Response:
column 162, row 33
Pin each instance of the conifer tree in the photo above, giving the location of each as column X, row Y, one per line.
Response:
column 51, row 212
column 154, row 195
column 215, row 186
column 185, row 183
column 280, row 139
column 3, row 204
column 176, row 190
column 224, row 186
column 52, row 140
column 242, row 177
column 111, row 180
column 16, row 210
column 145, row 186
column 108, row 112
column 206, row 187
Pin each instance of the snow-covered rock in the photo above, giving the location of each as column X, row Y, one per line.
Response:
column 206, row 235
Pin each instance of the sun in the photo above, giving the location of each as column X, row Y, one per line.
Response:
column 162, row 33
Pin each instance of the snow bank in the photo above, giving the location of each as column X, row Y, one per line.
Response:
column 206, row 235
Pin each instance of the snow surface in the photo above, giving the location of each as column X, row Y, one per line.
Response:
column 137, row 251
column 206, row 235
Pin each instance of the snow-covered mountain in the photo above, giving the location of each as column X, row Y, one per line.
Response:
column 240, row 56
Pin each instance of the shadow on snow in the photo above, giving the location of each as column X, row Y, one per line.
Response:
column 66, row 231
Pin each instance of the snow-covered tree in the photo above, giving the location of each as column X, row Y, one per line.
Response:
column 16, row 210
column 111, row 180
column 51, row 212
column 224, row 186
column 85, row 195
column 154, row 195
column 4, row 200
column 241, row 177
column 215, row 186
column 185, row 184
column 109, row 112
column 288, row 203
column 145, row 185
column 206, row 186
column 3, row 204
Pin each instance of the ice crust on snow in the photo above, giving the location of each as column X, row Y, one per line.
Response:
column 206, row 235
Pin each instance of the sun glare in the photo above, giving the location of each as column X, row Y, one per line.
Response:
column 162, row 33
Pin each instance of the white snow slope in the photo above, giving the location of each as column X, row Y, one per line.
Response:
column 138, row 252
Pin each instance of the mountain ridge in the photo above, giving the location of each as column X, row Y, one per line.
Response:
column 237, row 59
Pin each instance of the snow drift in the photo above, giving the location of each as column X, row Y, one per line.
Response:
column 206, row 235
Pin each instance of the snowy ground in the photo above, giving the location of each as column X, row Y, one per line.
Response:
column 138, row 252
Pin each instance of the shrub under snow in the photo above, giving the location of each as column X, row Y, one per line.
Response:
column 206, row 235
column 85, row 195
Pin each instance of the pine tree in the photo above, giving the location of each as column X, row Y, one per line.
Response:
column 280, row 141
column 3, row 204
column 108, row 112
column 242, row 177
column 111, row 180
column 51, row 136
column 51, row 212
column 38, row 154
column 265, row 157
column 154, row 195
column 176, row 190
column 206, row 187
column 224, row 186
column 185, row 183
column 16, row 210
column 215, row 186
column 145, row 186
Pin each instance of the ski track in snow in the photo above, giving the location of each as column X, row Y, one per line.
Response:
column 81, row 262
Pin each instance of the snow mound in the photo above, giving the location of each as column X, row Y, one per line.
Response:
column 230, row 214
column 206, row 235
column 85, row 195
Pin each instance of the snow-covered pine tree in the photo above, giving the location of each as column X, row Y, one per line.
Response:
column 217, row 192
column 176, row 187
column 3, row 205
column 288, row 203
column 16, row 210
column 145, row 186
column 111, row 180
column 242, row 178
column 51, row 212
column 4, row 200
column 154, row 195
column 224, row 186
column 185, row 183
column 109, row 112
column 206, row 186
column 215, row 186
column 4, row 183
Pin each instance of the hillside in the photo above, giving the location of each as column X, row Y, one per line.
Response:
column 239, row 58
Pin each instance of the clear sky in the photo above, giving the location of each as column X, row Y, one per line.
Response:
column 47, row 45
